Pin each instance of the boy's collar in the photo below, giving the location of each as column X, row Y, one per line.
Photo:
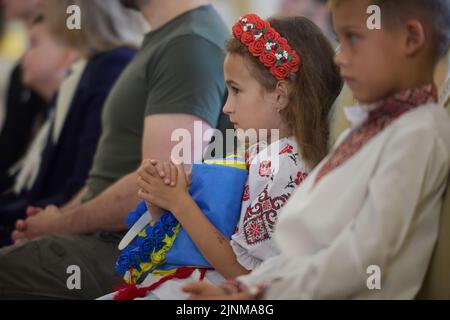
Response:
column 358, row 114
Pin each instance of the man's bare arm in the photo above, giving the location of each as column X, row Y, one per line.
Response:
column 76, row 201
column 108, row 210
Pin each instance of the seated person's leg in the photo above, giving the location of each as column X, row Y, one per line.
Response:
column 39, row 268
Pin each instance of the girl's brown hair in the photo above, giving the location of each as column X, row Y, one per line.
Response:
column 314, row 88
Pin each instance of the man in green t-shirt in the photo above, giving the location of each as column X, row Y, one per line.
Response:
column 175, row 80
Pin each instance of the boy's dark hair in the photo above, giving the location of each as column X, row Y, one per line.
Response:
column 315, row 87
column 435, row 15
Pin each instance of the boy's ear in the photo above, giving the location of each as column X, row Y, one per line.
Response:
column 415, row 37
column 282, row 95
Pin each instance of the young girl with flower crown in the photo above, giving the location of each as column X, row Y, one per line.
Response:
column 280, row 76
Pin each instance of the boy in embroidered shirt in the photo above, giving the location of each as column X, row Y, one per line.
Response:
column 374, row 202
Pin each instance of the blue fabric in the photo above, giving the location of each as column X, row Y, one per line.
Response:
column 217, row 190
column 134, row 215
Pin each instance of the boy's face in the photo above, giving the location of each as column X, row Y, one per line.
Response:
column 371, row 61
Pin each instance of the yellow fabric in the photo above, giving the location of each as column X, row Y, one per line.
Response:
column 338, row 121
column 437, row 280
column 229, row 161
column 13, row 43
column 156, row 258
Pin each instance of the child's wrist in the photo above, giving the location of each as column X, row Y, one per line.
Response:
column 181, row 204
column 233, row 286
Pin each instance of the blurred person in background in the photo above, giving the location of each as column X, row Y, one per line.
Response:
column 24, row 10
column 24, row 110
column 57, row 170
column 45, row 64
column 315, row 10
column 5, row 64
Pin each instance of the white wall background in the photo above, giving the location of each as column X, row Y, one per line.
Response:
column 231, row 10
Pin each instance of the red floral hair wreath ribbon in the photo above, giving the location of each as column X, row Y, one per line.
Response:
column 268, row 45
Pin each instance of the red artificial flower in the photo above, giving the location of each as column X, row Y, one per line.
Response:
column 247, row 38
column 283, row 43
column 238, row 31
column 294, row 64
column 261, row 24
column 283, row 47
column 280, row 68
column 271, row 34
column 257, row 47
column 280, row 72
column 251, row 17
column 268, row 59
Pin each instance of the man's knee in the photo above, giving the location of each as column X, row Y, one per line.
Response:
column 44, row 267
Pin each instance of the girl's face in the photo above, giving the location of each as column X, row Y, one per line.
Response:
column 44, row 60
column 249, row 104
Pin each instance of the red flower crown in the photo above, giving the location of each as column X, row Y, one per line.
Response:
column 265, row 42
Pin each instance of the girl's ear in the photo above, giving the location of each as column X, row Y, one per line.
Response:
column 282, row 95
column 415, row 37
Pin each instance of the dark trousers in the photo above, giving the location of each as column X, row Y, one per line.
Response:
column 12, row 208
column 38, row 269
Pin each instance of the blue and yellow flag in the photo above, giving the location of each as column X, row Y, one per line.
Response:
column 217, row 187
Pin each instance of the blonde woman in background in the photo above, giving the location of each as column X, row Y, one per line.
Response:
column 55, row 173
column 24, row 110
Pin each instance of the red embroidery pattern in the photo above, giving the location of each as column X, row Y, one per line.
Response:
column 250, row 155
column 246, row 195
column 382, row 116
column 260, row 219
column 265, row 168
column 301, row 176
column 287, row 149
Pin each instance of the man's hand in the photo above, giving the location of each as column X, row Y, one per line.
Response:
column 38, row 223
column 21, row 225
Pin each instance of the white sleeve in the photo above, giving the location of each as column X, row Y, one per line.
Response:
column 396, row 230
